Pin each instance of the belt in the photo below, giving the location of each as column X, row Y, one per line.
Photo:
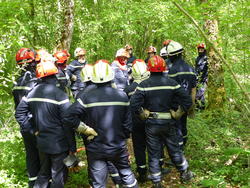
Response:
column 160, row 115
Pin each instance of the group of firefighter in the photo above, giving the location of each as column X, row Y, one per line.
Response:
column 148, row 100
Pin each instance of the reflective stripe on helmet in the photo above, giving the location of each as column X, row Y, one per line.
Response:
column 22, row 88
column 98, row 104
column 181, row 73
column 158, row 88
column 46, row 100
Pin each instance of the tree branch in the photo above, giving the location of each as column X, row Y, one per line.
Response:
column 215, row 49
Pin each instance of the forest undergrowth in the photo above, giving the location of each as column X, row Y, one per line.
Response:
column 218, row 152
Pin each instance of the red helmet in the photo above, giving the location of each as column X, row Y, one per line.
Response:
column 201, row 45
column 45, row 69
column 151, row 49
column 62, row 56
column 156, row 64
column 25, row 55
column 166, row 42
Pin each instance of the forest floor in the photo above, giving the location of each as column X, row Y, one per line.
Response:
column 218, row 152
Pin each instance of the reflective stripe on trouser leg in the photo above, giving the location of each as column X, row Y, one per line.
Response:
column 114, row 173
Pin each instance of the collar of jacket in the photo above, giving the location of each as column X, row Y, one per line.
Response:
column 50, row 80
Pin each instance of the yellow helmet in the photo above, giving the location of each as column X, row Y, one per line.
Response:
column 102, row 72
column 139, row 70
column 86, row 73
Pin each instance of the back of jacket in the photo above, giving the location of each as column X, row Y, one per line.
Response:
column 121, row 76
column 157, row 94
column 106, row 110
column 63, row 79
column 47, row 103
column 74, row 68
column 183, row 74
column 23, row 85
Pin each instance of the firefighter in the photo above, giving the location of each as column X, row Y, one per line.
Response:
column 201, row 69
column 62, row 57
column 152, row 102
column 25, row 58
column 106, row 110
column 44, row 106
column 74, row 70
column 131, row 58
column 185, row 76
column 139, row 73
column 86, row 75
column 151, row 51
column 119, row 65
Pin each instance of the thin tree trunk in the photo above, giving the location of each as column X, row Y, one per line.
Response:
column 68, row 25
column 34, row 26
column 216, row 88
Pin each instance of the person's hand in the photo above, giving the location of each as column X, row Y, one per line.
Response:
column 177, row 114
column 73, row 78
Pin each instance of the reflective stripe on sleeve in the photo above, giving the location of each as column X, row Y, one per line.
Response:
column 62, row 78
column 142, row 166
column 181, row 73
column 158, row 88
column 22, row 88
column 98, row 104
column 47, row 100
column 131, row 93
column 32, row 178
column 131, row 185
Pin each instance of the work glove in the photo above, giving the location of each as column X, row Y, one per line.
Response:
column 86, row 130
column 177, row 114
column 73, row 78
column 144, row 114
column 71, row 162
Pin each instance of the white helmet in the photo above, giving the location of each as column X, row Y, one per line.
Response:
column 163, row 52
column 102, row 72
column 139, row 70
column 122, row 53
column 87, row 73
column 79, row 51
column 174, row 48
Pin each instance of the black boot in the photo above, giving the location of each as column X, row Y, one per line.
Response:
column 186, row 176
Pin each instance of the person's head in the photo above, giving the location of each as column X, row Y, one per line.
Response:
column 129, row 49
column 62, row 57
column 87, row 72
column 25, row 58
column 201, row 48
column 139, row 70
column 122, row 56
column 102, row 72
column 151, row 51
column 46, row 69
column 80, row 54
column 156, row 64
column 174, row 50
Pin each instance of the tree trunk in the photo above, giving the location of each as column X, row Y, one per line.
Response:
column 68, row 24
column 216, row 89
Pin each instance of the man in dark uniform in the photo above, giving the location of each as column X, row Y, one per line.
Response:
column 74, row 70
column 184, row 75
column 201, row 69
column 106, row 110
column 46, row 104
column 152, row 101
column 62, row 57
column 139, row 73
column 25, row 57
